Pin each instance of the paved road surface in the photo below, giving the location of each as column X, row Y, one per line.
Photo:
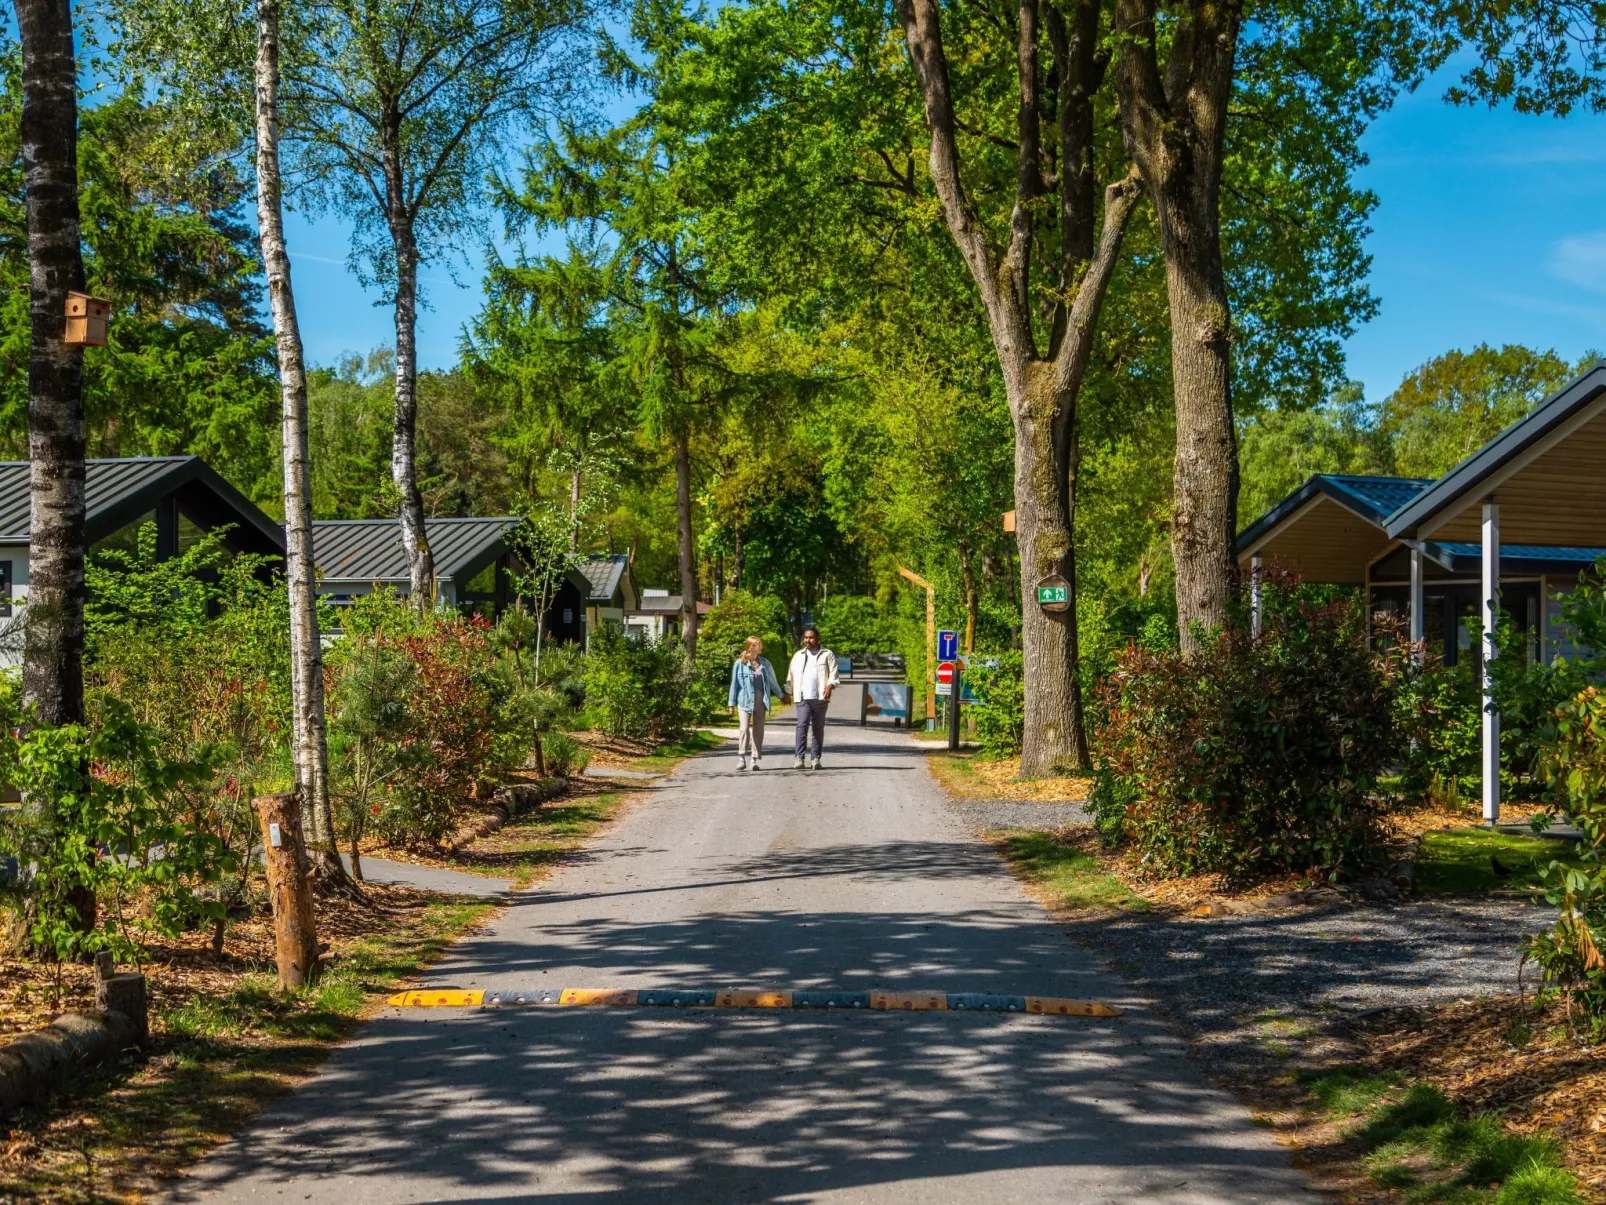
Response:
column 852, row 876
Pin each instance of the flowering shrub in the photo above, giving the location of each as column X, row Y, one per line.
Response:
column 1258, row 754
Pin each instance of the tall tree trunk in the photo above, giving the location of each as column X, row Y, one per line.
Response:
column 738, row 554
column 53, row 666
column 688, row 551
column 967, row 575
column 308, row 735
column 575, row 476
column 1174, row 122
column 404, row 434
column 1042, row 391
column 53, row 635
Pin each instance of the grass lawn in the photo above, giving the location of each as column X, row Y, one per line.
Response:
column 1061, row 873
column 216, row 1059
column 532, row 846
column 1459, row 862
column 1411, row 1141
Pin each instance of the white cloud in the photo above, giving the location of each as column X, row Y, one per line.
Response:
column 1580, row 259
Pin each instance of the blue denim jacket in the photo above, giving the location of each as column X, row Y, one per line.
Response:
column 741, row 696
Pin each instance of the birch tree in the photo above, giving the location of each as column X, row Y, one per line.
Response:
column 308, row 729
column 400, row 109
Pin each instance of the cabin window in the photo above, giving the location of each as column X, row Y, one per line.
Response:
column 5, row 588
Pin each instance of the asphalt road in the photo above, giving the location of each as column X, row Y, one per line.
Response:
column 852, row 876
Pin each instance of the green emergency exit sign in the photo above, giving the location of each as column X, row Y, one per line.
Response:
column 1052, row 594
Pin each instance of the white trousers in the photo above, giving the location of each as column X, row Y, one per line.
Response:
column 750, row 733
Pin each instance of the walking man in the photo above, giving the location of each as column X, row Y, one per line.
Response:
column 809, row 682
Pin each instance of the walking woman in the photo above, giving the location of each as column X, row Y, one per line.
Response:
column 753, row 685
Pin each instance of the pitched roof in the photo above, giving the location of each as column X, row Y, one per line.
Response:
column 118, row 491
column 365, row 551
column 1458, row 556
column 1372, row 498
column 602, row 574
column 1479, row 472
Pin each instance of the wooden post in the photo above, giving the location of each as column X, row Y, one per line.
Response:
column 123, row 993
column 931, row 645
column 289, row 887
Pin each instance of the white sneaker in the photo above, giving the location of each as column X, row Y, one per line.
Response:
column 741, row 763
column 815, row 764
column 797, row 763
column 756, row 766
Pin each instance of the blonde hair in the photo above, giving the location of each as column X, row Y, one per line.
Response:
column 751, row 648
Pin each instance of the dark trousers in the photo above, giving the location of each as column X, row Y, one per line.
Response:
column 810, row 714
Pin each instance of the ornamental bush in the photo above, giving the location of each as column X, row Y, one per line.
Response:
column 1001, row 690
column 637, row 686
column 720, row 638
column 1258, row 754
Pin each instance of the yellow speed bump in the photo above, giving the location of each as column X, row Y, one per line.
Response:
column 910, row 1001
column 747, row 999
column 595, row 995
column 448, row 997
column 1070, row 1008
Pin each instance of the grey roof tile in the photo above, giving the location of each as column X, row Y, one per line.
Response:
column 365, row 551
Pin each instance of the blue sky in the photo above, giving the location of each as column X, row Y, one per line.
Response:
column 1490, row 227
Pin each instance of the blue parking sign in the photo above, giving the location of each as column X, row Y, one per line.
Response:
column 947, row 646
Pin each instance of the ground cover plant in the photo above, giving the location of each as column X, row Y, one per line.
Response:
column 1476, row 861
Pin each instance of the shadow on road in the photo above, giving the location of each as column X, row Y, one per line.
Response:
column 581, row 1107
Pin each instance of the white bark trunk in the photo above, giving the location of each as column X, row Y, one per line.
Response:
column 308, row 739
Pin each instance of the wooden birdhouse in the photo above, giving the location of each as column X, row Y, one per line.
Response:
column 86, row 320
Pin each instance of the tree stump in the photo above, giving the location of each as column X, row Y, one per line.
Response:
column 124, row 993
column 289, row 888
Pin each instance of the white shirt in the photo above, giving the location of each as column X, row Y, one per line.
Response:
column 809, row 686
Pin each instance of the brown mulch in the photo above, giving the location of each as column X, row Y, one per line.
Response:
column 32, row 994
column 967, row 778
column 613, row 752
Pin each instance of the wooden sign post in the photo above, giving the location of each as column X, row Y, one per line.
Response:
column 295, row 945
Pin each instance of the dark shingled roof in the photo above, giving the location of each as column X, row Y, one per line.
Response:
column 119, row 491
column 602, row 574
column 1372, row 498
column 365, row 551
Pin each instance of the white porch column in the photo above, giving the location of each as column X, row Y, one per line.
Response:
column 1491, row 616
column 1255, row 564
column 1417, row 604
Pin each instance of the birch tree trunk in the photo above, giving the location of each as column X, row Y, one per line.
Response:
column 688, row 551
column 53, row 650
column 404, row 437
column 1174, row 125
column 308, row 735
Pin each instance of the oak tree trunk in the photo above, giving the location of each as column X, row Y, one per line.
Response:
column 309, row 739
column 53, row 651
column 1042, row 390
column 1173, row 121
column 688, row 550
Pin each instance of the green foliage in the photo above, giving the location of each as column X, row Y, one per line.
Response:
column 720, row 640
column 1460, row 862
column 1071, row 875
column 1262, row 753
column 369, row 723
column 1455, row 403
column 636, row 686
column 188, row 367
column 565, row 757
column 852, row 625
column 109, row 817
column 1001, row 689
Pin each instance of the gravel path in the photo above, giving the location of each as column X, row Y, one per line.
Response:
column 1245, row 987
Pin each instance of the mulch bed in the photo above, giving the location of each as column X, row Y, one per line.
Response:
column 32, row 993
